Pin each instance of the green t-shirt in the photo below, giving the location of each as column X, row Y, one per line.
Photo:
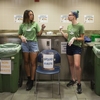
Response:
column 75, row 31
column 29, row 30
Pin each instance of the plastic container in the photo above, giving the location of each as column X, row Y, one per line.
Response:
column 95, row 37
column 96, row 49
column 9, row 82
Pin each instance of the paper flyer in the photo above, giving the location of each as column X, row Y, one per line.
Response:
column 5, row 66
column 89, row 18
column 48, row 60
column 18, row 18
column 64, row 19
column 43, row 18
column 63, row 47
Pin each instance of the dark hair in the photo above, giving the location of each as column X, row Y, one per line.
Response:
column 26, row 16
column 75, row 13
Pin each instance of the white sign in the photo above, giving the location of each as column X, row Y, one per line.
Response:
column 63, row 47
column 48, row 60
column 43, row 18
column 18, row 18
column 89, row 18
column 5, row 66
column 64, row 19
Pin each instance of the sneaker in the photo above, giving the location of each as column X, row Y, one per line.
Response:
column 79, row 88
column 29, row 86
column 71, row 82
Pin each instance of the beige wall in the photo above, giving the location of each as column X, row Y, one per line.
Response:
column 53, row 8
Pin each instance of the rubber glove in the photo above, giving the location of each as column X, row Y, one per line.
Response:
column 60, row 28
column 43, row 26
column 23, row 39
column 71, row 41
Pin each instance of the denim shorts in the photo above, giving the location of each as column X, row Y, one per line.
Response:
column 73, row 49
column 30, row 46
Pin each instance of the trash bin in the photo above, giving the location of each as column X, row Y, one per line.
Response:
column 10, row 56
column 95, row 37
column 96, row 49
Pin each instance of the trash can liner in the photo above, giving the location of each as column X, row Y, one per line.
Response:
column 9, row 49
column 96, row 49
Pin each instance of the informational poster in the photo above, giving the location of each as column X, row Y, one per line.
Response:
column 18, row 18
column 5, row 66
column 43, row 18
column 63, row 47
column 48, row 60
column 89, row 18
column 64, row 19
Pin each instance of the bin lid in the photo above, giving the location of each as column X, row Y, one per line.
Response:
column 96, row 50
column 95, row 35
column 9, row 49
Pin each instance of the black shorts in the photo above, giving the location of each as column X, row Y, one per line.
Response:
column 73, row 49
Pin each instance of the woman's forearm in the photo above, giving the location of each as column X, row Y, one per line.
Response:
column 64, row 34
column 39, row 33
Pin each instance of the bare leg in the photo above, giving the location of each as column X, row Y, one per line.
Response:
column 33, row 57
column 77, row 58
column 26, row 63
column 71, row 65
column 77, row 66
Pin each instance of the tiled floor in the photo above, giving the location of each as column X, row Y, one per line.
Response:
column 46, row 92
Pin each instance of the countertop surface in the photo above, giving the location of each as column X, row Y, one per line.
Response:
column 91, row 44
column 16, row 34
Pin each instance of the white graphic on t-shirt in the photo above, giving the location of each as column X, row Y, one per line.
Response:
column 29, row 29
column 71, row 31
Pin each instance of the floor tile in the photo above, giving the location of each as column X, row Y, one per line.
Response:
column 23, row 97
column 47, row 99
column 81, row 96
column 56, row 96
column 50, row 92
column 96, row 98
column 44, row 94
column 6, row 96
column 69, row 97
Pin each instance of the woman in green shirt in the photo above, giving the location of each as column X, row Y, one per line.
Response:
column 28, row 32
column 75, row 37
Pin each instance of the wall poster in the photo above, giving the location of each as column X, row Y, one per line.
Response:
column 89, row 18
column 43, row 18
column 18, row 18
column 64, row 19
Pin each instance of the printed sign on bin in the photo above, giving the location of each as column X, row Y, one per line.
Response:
column 5, row 66
column 63, row 47
column 48, row 61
